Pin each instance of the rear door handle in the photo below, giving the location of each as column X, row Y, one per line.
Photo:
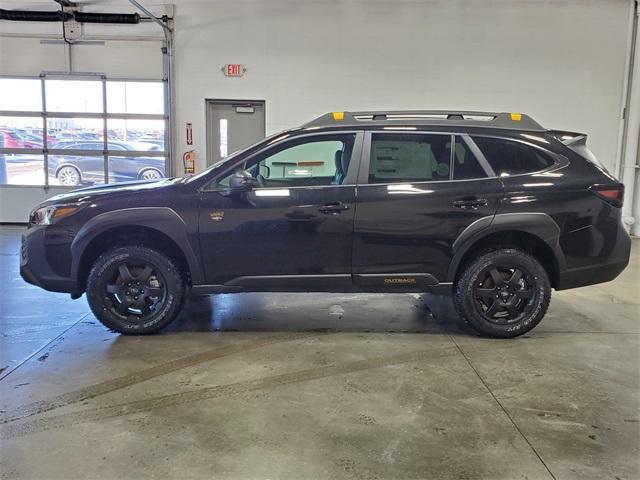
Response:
column 333, row 208
column 470, row 203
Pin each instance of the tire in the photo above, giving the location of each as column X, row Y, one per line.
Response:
column 135, row 290
column 503, row 293
column 69, row 176
column 150, row 174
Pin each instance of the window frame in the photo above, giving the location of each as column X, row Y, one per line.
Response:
column 349, row 181
column 482, row 160
column 104, row 115
column 363, row 175
column 367, row 156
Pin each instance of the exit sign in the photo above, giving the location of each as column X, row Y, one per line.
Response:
column 234, row 69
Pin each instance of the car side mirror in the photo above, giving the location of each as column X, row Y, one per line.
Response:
column 241, row 182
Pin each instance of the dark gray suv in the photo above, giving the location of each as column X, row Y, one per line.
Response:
column 79, row 168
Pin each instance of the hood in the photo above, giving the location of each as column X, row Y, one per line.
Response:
column 87, row 194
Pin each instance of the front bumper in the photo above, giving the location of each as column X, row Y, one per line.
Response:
column 35, row 269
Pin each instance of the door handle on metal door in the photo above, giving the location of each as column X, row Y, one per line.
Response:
column 333, row 208
column 470, row 203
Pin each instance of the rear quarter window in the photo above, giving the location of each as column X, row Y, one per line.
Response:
column 507, row 157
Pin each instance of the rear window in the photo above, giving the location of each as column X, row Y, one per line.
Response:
column 507, row 157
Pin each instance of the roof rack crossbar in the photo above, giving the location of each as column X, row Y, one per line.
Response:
column 424, row 112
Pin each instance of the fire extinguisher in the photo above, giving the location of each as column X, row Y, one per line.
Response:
column 189, row 162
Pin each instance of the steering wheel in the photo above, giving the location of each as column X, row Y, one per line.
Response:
column 260, row 181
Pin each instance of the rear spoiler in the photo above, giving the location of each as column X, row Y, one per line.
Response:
column 569, row 138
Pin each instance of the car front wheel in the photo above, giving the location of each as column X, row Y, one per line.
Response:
column 503, row 293
column 135, row 290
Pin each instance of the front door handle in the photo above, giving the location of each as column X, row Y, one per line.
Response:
column 333, row 208
column 470, row 203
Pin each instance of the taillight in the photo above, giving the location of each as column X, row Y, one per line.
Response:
column 613, row 194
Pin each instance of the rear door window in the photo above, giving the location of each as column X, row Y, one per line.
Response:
column 507, row 157
column 398, row 158
column 465, row 163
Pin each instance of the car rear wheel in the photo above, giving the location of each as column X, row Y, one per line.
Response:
column 503, row 293
column 150, row 174
column 69, row 176
column 135, row 290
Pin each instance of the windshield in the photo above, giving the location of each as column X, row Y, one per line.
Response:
column 220, row 163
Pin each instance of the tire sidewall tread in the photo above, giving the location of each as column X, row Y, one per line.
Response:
column 464, row 297
column 172, row 275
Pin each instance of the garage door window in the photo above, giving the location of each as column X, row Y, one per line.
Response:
column 83, row 96
column 57, row 131
column 26, row 95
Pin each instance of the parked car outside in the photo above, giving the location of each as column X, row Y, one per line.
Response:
column 74, row 169
column 13, row 139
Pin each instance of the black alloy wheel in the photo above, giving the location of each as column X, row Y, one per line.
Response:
column 503, row 292
column 135, row 289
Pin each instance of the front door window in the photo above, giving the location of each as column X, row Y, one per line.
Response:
column 309, row 161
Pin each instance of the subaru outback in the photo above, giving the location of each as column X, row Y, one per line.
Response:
column 491, row 208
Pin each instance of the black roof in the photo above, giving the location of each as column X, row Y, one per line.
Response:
column 511, row 121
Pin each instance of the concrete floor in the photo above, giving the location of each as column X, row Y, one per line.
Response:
column 310, row 386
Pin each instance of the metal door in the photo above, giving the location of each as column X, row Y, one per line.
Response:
column 285, row 235
column 232, row 125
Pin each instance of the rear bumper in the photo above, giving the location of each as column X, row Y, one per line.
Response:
column 601, row 272
column 35, row 269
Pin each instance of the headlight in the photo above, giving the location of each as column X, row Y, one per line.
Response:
column 50, row 214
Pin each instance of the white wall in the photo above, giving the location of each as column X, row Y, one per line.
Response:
column 134, row 59
column 560, row 61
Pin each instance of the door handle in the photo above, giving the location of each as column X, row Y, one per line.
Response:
column 470, row 203
column 334, row 208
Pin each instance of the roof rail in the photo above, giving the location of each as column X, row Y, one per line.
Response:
column 513, row 121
